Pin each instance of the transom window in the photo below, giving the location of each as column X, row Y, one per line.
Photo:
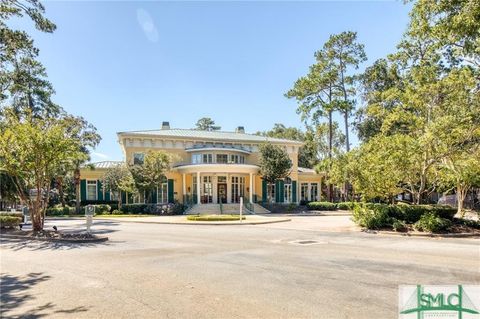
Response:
column 91, row 190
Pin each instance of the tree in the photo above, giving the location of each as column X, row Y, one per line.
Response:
column 307, row 153
column 206, row 124
column 33, row 152
column 152, row 172
column 461, row 173
column 275, row 163
column 119, row 179
column 344, row 53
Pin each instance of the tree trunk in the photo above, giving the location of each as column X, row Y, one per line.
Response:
column 60, row 190
column 461, row 194
column 119, row 193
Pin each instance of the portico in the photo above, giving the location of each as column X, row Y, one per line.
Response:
column 218, row 183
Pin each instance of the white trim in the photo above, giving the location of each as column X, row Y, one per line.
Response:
column 231, row 149
column 218, row 168
column 96, row 188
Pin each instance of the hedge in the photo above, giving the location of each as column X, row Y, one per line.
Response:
column 59, row 211
column 321, row 206
column 161, row 209
column 9, row 221
column 15, row 214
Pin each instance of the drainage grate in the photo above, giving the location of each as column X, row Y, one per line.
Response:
column 307, row 242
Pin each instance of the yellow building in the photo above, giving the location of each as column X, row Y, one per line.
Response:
column 209, row 167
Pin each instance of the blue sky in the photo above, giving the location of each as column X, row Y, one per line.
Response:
column 131, row 65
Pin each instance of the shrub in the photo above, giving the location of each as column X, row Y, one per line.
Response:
column 432, row 223
column 291, row 207
column 9, row 221
column 60, row 211
column 16, row 214
column 371, row 218
column 399, row 225
column 161, row 209
column 117, row 212
column 346, row 205
column 303, row 202
column 102, row 209
column 321, row 206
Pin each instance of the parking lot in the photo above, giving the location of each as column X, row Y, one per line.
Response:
column 297, row 269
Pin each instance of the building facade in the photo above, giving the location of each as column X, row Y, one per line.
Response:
column 209, row 167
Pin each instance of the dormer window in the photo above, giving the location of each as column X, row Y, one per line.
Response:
column 222, row 158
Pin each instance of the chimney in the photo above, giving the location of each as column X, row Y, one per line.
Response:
column 165, row 125
column 240, row 130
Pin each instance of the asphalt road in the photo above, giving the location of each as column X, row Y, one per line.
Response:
column 262, row 271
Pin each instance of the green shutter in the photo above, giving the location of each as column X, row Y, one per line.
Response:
column 170, row 191
column 124, row 197
column 281, row 191
column 294, row 191
column 264, row 191
column 83, row 190
column 130, row 198
column 154, row 196
column 107, row 195
column 99, row 190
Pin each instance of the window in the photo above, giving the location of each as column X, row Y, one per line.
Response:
column 207, row 189
column 196, row 158
column 138, row 158
column 222, row 179
column 194, row 186
column 288, row 190
column 91, row 190
column 138, row 198
column 237, row 159
column 222, row 158
column 238, row 188
column 207, row 158
column 314, row 191
column 114, row 195
column 271, row 193
column 162, row 193
column 304, row 191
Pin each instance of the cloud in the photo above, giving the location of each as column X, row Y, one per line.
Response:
column 148, row 26
column 100, row 155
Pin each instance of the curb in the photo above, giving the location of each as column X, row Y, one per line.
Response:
column 428, row 235
column 81, row 241
column 200, row 223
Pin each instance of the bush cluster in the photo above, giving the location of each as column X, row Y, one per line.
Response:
column 160, row 209
column 431, row 218
column 59, row 211
column 15, row 214
column 9, row 221
column 432, row 223
column 321, row 206
column 331, row 206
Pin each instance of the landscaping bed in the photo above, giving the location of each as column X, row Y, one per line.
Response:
column 214, row 218
column 403, row 218
column 48, row 235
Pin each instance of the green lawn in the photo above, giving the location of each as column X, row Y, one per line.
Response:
column 214, row 218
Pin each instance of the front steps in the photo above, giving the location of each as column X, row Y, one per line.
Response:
column 214, row 209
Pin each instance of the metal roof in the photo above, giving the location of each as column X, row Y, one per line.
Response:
column 105, row 164
column 210, row 135
column 306, row 170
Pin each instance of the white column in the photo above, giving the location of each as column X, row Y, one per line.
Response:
column 229, row 189
column 251, row 188
column 198, row 188
column 309, row 192
column 214, row 187
column 184, row 188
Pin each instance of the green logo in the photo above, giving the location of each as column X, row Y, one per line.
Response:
column 439, row 302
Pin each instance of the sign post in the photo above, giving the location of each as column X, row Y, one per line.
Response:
column 89, row 211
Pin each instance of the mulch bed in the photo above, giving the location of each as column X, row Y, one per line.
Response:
column 49, row 235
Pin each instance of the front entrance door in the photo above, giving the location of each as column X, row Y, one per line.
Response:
column 222, row 193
